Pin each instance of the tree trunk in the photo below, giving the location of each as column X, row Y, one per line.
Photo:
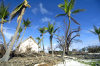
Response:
column 67, row 50
column 66, row 37
column 21, row 38
column 43, row 43
column 51, row 45
column 17, row 42
column 7, row 54
column 5, row 45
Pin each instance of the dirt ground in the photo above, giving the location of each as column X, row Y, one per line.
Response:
column 31, row 61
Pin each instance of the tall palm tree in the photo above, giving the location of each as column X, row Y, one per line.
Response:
column 3, row 16
column 96, row 32
column 67, row 7
column 51, row 31
column 19, row 10
column 43, row 31
column 26, row 24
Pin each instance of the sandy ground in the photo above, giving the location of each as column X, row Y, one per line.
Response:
column 71, row 62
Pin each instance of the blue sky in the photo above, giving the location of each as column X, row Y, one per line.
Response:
column 42, row 11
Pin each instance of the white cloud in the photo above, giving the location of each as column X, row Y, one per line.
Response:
column 42, row 9
column 45, row 19
column 35, row 10
column 8, row 32
column 8, row 35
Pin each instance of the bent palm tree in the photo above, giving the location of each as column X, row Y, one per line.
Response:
column 96, row 32
column 43, row 31
column 3, row 16
column 51, row 31
column 67, row 8
column 19, row 10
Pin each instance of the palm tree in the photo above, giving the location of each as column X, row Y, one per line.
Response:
column 19, row 10
column 51, row 31
column 67, row 7
column 3, row 16
column 39, row 41
column 43, row 31
column 26, row 24
column 96, row 32
column 18, row 36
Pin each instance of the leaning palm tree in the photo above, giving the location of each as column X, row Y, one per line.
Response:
column 3, row 16
column 26, row 24
column 19, row 10
column 67, row 7
column 43, row 31
column 96, row 32
column 51, row 31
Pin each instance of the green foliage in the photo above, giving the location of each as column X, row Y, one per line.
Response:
column 93, row 49
column 77, row 11
column 67, row 8
column 20, row 30
column 43, row 30
column 51, row 29
column 26, row 23
column 17, row 11
column 96, row 31
column 3, row 11
column 39, row 40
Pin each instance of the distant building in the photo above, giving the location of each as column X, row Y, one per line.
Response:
column 28, row 44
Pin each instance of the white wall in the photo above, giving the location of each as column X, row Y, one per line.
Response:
column 28, row 43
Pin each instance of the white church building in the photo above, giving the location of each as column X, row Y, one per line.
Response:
column 28, row 43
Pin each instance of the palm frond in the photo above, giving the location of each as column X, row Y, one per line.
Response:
column 93, row 32
column 56, row 29
column 26, row 23
column 74, row 20
column 60, row 15
column 66, row 5
column 77, row 11
column 16, row 11
column 96, row 29
column 20, row 30
column 71, row 4
column 3, row 10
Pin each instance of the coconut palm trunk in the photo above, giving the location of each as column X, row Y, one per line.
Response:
column 5, row 45
column 22, row 36
column 66, row 39
column 7, row 54
column 43, row 43
column 51, row 45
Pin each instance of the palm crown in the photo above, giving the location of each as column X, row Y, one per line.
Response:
column 43, row 30
column 51, row 28
column 26, row 23
column 67, row 8
column 96, row 31
column 3, row 11
column 18, row 10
